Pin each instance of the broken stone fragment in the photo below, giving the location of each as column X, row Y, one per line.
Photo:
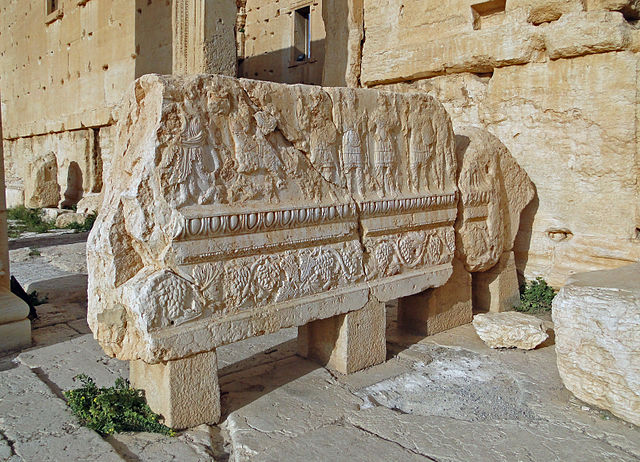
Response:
column 510, row 330
column 494, row 191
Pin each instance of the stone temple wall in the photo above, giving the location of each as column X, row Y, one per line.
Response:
column 556, row 81
column 64, row 68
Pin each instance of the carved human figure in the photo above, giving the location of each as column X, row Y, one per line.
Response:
column 189, row 173
column 254, row 152
column 323, row 156
column 322, row 134
column 421, row 153
column 384, row 160
column 352, row 161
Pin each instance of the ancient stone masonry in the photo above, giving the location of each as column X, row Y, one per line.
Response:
column 234, row 208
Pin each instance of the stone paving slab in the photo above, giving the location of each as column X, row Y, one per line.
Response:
column 448, row 440
column 337, row 442
column 39, row 426
column 61, row 362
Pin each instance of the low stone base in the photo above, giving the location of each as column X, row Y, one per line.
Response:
column 185, row 392
column 15, row 335
column 15, row 328
column 497, row 289
column 439, row 309
column 348, row 342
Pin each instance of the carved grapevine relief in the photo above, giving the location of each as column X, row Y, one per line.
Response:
column 393, row 254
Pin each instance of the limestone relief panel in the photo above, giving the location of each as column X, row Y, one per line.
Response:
column 238, row 207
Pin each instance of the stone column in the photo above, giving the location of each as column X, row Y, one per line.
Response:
column 344, row 26
column 185, row 391
column 348, row 342
column 497, row 289
column 204, row 37
column 439, row 309
column 15, row 328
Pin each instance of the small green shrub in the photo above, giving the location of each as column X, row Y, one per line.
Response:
column 33, row 252
column 85, row 226
column 25, row 219
column 36, row 300
column 535, row 297
column 115, row 409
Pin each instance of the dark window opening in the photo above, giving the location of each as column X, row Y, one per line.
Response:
column 302, row 34
column 52, row 5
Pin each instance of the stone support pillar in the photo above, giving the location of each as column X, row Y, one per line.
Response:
column 344, row 25
column 185, row 391
column 439, row 309
column 15, row 328
column 497, row 289
column 204, row 37
column 348, row 342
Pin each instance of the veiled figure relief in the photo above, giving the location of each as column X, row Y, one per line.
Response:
column 188, row 172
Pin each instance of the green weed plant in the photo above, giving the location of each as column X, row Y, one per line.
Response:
column 120, row 408
column 535, row 297
column 23, row 219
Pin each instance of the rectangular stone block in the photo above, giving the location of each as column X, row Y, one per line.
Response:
column 596, row 318
column 497, row 289
column 441, row 308
column 348, row 342
column 184, row 391
column 235, row 208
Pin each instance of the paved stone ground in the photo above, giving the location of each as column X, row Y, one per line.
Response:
column 443, row 398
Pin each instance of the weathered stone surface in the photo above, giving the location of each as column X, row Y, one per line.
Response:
column 397, row 51
column 70, row 289
column 597, row 320
column 441, row 308
column 586, row 33
column 61, row 362
column 184, row 391
column 630, row 8
column 41, row 426
column 15, row 335
column 41, row 185
column 236, row 208
column 349, row 342
column 545, row 113
column 497, row 289
column 67, row 219
column 495, row 190
column 510, row 330
column 172, row 230
column 541, row 11
column 344, row 25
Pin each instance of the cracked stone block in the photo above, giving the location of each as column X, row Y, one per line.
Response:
column 236, row 208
